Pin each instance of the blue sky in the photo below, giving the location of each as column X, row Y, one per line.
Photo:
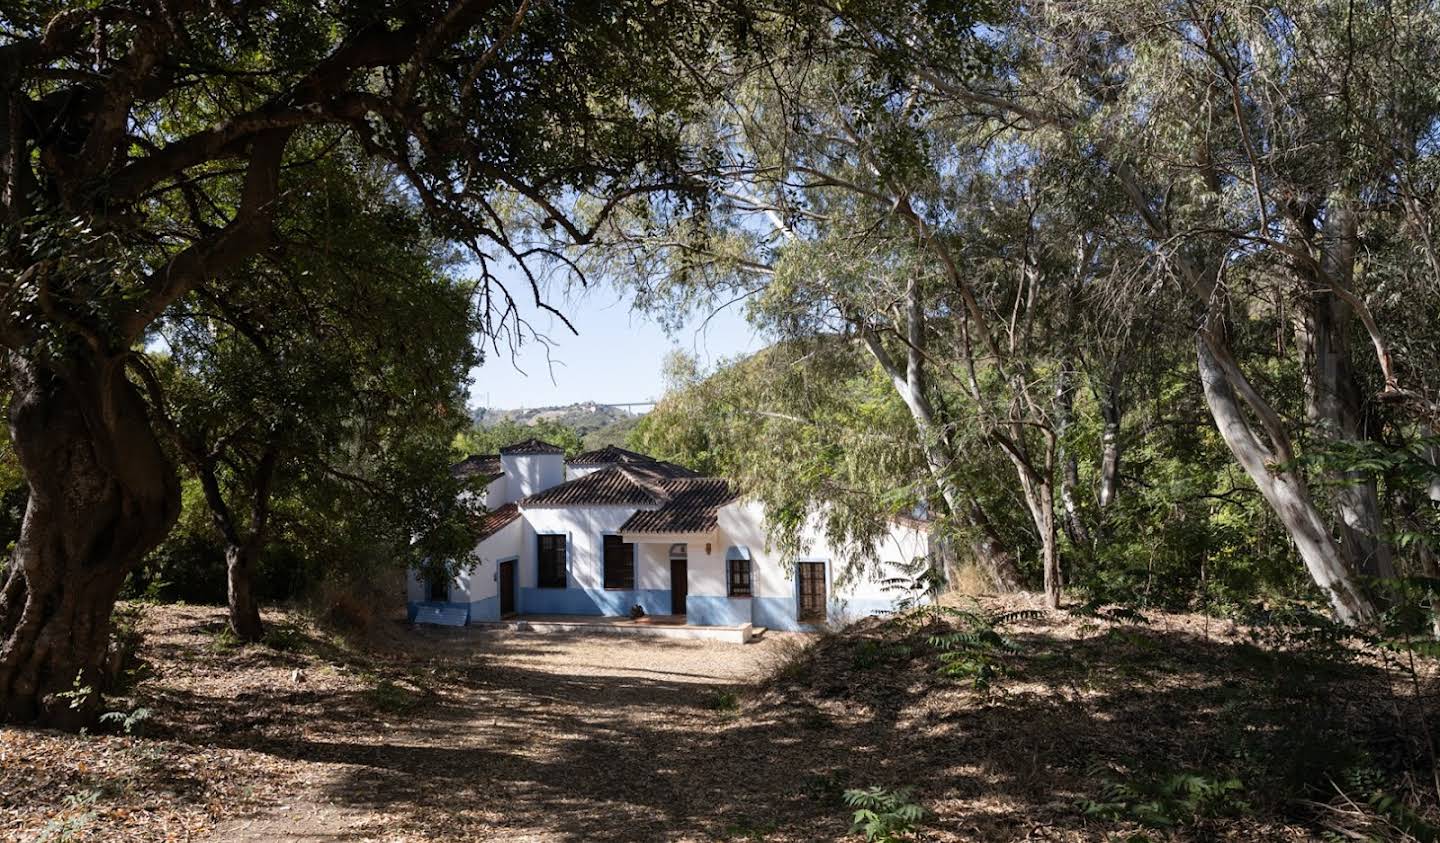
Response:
column 617, row 356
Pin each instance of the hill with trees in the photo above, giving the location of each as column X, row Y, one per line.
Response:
column 597, row 425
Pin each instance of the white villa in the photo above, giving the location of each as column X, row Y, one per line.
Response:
column 608, row 530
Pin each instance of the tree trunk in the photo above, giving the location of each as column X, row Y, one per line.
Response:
column 242, row 545
column 102, row 495
column 1286, row 493
column 1049, row 555
column 1075, row 528
column 1110, row 413
column 1038, row 486
column 1333, row 398
column 936, row 445
column 989, row 550
column 244, row 610
column 1429, row 564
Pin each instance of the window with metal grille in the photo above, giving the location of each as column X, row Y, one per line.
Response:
column 739, row 577
column 619, row 563
column 551, row 557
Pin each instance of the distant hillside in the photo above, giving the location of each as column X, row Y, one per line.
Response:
column 586, row 418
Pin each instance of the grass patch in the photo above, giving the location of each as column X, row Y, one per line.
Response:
column 724, row 702
column 391, row 697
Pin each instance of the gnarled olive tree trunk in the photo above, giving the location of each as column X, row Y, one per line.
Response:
column 243, row 542
column 102, row 494
column 240, row 562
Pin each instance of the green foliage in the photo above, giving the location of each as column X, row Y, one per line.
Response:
column 871, row 654
column 975, row 648
column 392, row 697
column 224, row 640
column 126, row 636
column 725, row 702
column 808, row 429
column 489, row 438
column 81, row 812
column 1178, row 799
column 828, row 788
column 130, row 722
column 884, row 815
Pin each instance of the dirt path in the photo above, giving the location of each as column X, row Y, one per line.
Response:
column 521, row 737
column 441, row 735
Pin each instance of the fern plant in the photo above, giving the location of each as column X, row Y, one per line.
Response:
column 975, row 648
column 884, row 815
column 1163, row 802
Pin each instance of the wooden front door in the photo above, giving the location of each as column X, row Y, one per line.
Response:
column 507, row 588
column 812, row 591
column 679, row 585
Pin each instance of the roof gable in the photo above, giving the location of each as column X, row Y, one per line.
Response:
column 482, row 465
column 607, row 487
column 616, row 456
column 693, row 506
column 531, row 446
column 497, row 519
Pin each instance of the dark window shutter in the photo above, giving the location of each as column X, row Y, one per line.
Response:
column 619, row 560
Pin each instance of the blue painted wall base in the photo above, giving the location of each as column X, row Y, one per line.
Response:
column 485, row 609
column 413, row 609
column 704, row 610
column 593, row 601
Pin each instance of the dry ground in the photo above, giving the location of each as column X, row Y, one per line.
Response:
column 469, row 735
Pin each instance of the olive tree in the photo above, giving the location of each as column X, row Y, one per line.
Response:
column 143, row 147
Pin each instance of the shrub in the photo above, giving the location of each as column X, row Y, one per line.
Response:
column 1164, row 801
column 976, row 650
column 884, row 815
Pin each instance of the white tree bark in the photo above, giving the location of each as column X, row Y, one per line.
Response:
column 1283, row 488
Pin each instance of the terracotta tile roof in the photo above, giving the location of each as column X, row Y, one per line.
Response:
column 612, row 455
column 607, row 487
column 608, row 455
column 487, row 465
column 532, row 446
column 496, row 519
column 692, row 507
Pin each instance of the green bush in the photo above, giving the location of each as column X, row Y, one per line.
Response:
column 884, row 815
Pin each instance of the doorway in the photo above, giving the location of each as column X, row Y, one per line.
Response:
column 507, row 588
column 812, row 591
column 679, row 585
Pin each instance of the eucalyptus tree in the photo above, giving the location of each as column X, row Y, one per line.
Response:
column 142, row 149
column 814, row 430
column 266, row 402
column 857, row 207
column 805, row 225
column 1258, row 147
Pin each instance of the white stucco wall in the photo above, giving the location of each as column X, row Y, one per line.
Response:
column 652, row 565
column 526, row 474
column 494, row 495
column 575, row 472
column 743, row 524
column 480, row 581
column 852, row 593
column 476, row 582
column 585, row 526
